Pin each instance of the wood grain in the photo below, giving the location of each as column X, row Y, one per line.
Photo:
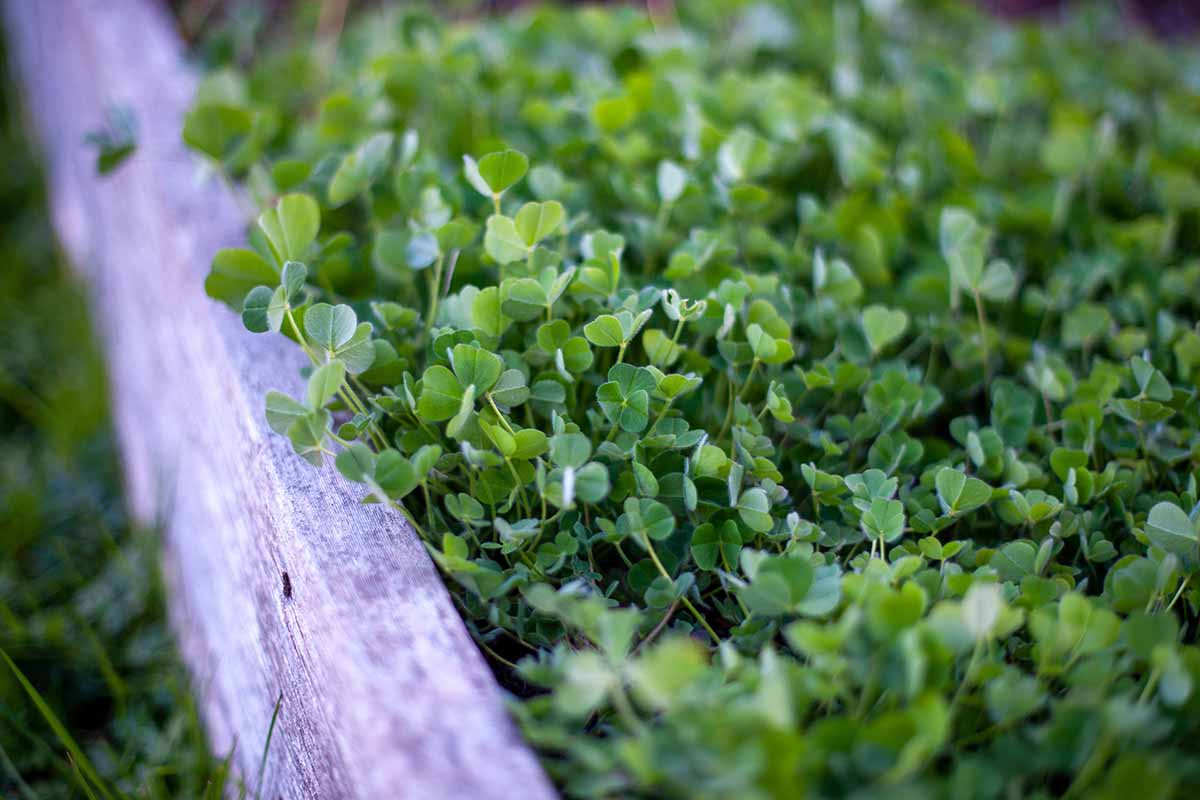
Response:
column 383, row 693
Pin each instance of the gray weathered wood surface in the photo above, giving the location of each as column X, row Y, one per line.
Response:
column 384, row 694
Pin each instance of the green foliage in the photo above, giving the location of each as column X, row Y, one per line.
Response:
column 800, row 401
column 116, row 140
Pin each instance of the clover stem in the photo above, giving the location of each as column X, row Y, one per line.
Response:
column 728, row 416
column 496, row 655
column 962, row 685
column 666, row 407
column 428, row 504
column 682, row 598
column 411, row 521
column 868, row 688
column 496, row 202
column 982, row 735
column 1049, row 413
column 914, row 347
column 662, row 623
column 1151, row 683
column 300, row 337
column 373, row 430
column 421, row 423
column 529, row 562
column 621, row 553
column 1095, row 761
column 1179, row 593
column 660, row 224
column 983, row 339
column 434, row 291
column 1141, row 435
column 471, row 481
column 1154, row 598
column 749, row 378
column 678, row 330
column 621, row 353
column 664, row 213
column 625, row 709
column 520, row 487
column 503, row 421
column 348, row 397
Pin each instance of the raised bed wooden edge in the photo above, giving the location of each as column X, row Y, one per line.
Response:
column 281, row 584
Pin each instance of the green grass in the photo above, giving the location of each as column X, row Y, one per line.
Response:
column 93, row 700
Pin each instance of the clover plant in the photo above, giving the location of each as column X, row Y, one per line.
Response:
column 799, row 398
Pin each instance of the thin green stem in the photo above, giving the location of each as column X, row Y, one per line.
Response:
column 520, row 488
column 411, row 520
column 983, row 339
column 435, row 291
column 1151, row 683
column 966, row 677
column 428, row 504
column 666, row 407
column 662, row 623
column 496, row 655
column 683, row 598
column 678, row 330
column 503, row 421
column 291, row 318
column 868, row 689
column 347, row 396
column 749, row 378
column 728, row 416
column 625, row 710
column 1179, row 593
column 1095, row 761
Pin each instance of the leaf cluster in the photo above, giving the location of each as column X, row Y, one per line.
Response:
column 799, row 397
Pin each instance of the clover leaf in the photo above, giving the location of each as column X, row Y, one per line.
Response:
column 291, row 226
column 625, row 398
column 883, row 326
column 646, row 519
column 716, row 546
column 960, row 494
column 495, row 172
column 884, row 520
column 754, row 507
column 1169, row 528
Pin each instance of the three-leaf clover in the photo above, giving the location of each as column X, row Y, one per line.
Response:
column 451, row 395
column 625, row 397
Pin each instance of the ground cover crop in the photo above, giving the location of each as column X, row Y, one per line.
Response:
column 800, row 398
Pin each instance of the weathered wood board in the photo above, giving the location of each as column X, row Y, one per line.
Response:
column 383, row 693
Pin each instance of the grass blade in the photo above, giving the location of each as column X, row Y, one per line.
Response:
column 262, row 764
column 79, row 760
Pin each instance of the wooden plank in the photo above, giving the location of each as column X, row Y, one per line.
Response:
column 383, row 693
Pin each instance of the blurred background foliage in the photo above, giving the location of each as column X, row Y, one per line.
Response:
column 81, row 604
column 228, row 27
